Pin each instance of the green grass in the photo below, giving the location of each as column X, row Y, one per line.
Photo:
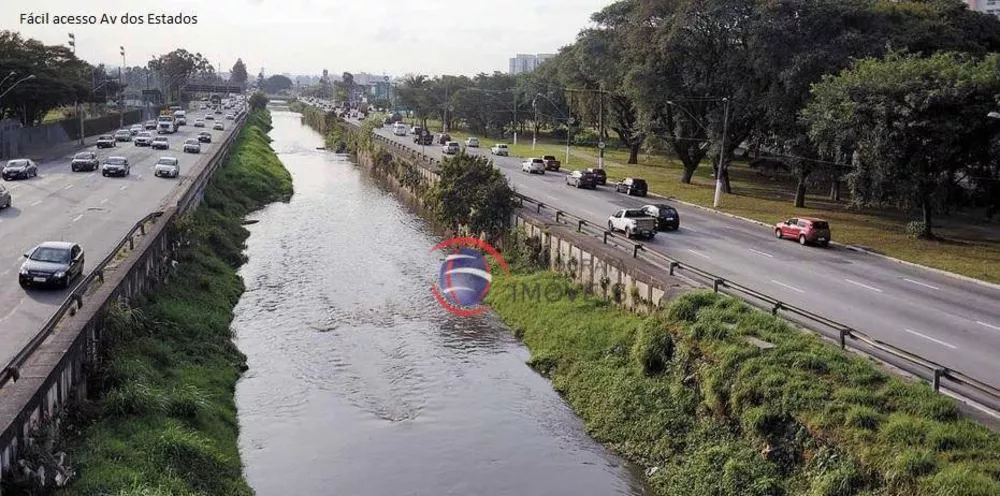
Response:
column 166, row 421
column 684, row 392
column 966, row 246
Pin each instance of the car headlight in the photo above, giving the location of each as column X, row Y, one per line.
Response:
column 60, row 274
column 23, row 271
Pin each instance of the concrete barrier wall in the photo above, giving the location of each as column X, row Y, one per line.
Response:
column 56, row 372
column 24, row 141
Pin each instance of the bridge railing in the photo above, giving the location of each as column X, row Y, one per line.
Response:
column 191, row 187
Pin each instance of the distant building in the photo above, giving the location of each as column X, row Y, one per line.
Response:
column 987, row 6
column 522, row 63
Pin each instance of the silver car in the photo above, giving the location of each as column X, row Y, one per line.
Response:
column 192, row 146
column 5, row 198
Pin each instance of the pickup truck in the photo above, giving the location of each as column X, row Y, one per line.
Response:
column 551, row 163
column 633, row 222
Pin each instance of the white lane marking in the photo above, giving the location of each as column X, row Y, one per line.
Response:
column 686, row 228
column 922, row 284
column 12, row 188
column 68, row 186
column 991, row 326
column 863, row 285
column 36, row 203
column 938, row 341
column 78, row 217
column 768, row 255
column 104, row 201
column 793, row 288
column 702, row 255
column 124, row 187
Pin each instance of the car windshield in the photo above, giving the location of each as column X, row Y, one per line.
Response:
column 634, row 213
column 115, row 161
column 159, row 138
column 83, row 155
column 105, row 137
column 191, row 142
column 167, row 161
column 17, row 163
column 144, row 135
column 54, row 255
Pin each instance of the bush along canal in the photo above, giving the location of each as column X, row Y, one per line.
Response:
column 165, row 419
column 687, row 394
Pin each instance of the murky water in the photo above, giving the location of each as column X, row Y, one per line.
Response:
column 360, row 384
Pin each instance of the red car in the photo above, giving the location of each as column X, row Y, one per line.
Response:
column 805, row 230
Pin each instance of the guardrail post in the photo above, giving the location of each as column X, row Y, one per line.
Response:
column 580, row 224
column 843, row 338
column 938, row 372
column 142, row 228
column 606, row 237
column 558, row 213
column 78, row 299
column 100, row 274
column 716, row 283
column 777, row 306
column 131, row 243
column 635, row 250
column 539, row 209
column 673, row 265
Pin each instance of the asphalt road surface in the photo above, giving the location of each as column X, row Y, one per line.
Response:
column 83, row 207
column 948, row 320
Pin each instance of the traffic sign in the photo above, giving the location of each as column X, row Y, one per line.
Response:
column 601, row 145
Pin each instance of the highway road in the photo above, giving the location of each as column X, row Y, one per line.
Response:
column 951, row 321
column 83, row 207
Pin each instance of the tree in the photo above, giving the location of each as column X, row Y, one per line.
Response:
column 345, row 88
column 918, row 123
column 258, row 100
column 179, row 66
column 414, row 95
column 239, row 73
column 276, row 83
column 474, row 194
column 59, row 78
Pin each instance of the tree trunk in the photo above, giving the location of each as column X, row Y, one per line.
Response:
column 633, row 153
column 727, row 188
column 835, row 190
column 927, row 233
column 688, row 174
column 800, row 193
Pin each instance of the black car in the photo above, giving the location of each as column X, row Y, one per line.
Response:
column 106, row 141
column 53, row 263
column 581, row 179
column 205, row 137
column 116, row 166
column 21, row 168
column 632, row 186
column 84, row 161
column 424, row 139
column 666, row 216
column 600, row 176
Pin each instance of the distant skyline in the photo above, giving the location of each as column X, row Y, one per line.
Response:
column 307, row 36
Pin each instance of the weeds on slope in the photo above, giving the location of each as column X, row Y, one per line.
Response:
column 686, row 393
column 166, row 421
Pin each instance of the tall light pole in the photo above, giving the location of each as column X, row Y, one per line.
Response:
column 121, row 91
column 600, row 132
column 514, row 95
column 19, row 81
column 72, row 42
column 534, row 123
column 4, row 80
column 722, row 155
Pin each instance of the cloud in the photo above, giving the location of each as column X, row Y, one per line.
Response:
column 388, row 34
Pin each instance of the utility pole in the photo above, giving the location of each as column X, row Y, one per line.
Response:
column 534, row 127
column 515, row 116
column 722, row 155
column 444, row 125
column 121, row 91
column 72, row 42
column 600, row 132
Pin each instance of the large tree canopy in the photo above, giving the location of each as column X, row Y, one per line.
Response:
column 239, row 73
column 277, row 83
column 56, row 78
column 179, row 66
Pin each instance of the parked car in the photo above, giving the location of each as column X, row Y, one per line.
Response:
column 219, row 127
column 144, row 138
column 116, row 166
column 123, row 135
column 551, row 163
column 633, row 222
column 199, row 123
column 192, row 145
column 472, row 142
column 665, row 215
column 106, row 141
column 5, row 197
column 600, row 176
column 52, row 263
column 205, row 137
column 21, row 168
column 167, row 167
column 632, row 186
column 499, row 150
column 149, row 125
column 84, row 161
column 581, row 179
column 451, row 148
column 805, row 230
column 135, row 129
column 533, row 165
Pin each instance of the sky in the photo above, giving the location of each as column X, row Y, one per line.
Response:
column 394, row 37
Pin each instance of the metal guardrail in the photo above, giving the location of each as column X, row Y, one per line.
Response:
column 12, row 371
column 848, row 337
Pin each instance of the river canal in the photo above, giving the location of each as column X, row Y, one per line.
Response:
column 360, row 384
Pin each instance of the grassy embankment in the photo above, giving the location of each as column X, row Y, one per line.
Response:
column 684, row 392
column 166, row 422
column 967, row 245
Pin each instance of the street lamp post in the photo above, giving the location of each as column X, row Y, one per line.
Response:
column 514, row 93
column 534, row 123
column 121, row 89
column 722, row 156
column 19, row 81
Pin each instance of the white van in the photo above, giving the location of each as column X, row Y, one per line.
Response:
column 399, row 129
column 181, row 117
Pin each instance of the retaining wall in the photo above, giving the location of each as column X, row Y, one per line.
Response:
column 20, row 142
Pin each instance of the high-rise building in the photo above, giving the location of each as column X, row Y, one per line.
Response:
column 522, row 62
column 988, row 6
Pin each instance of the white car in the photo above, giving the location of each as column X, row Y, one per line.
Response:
column 192, row 145
column 199, row 123
column 472, row 142
column 533, row 165
column 451, row 148
column 499, row 149
column 167, row 167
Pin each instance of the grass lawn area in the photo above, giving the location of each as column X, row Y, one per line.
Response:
column 967, row 245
